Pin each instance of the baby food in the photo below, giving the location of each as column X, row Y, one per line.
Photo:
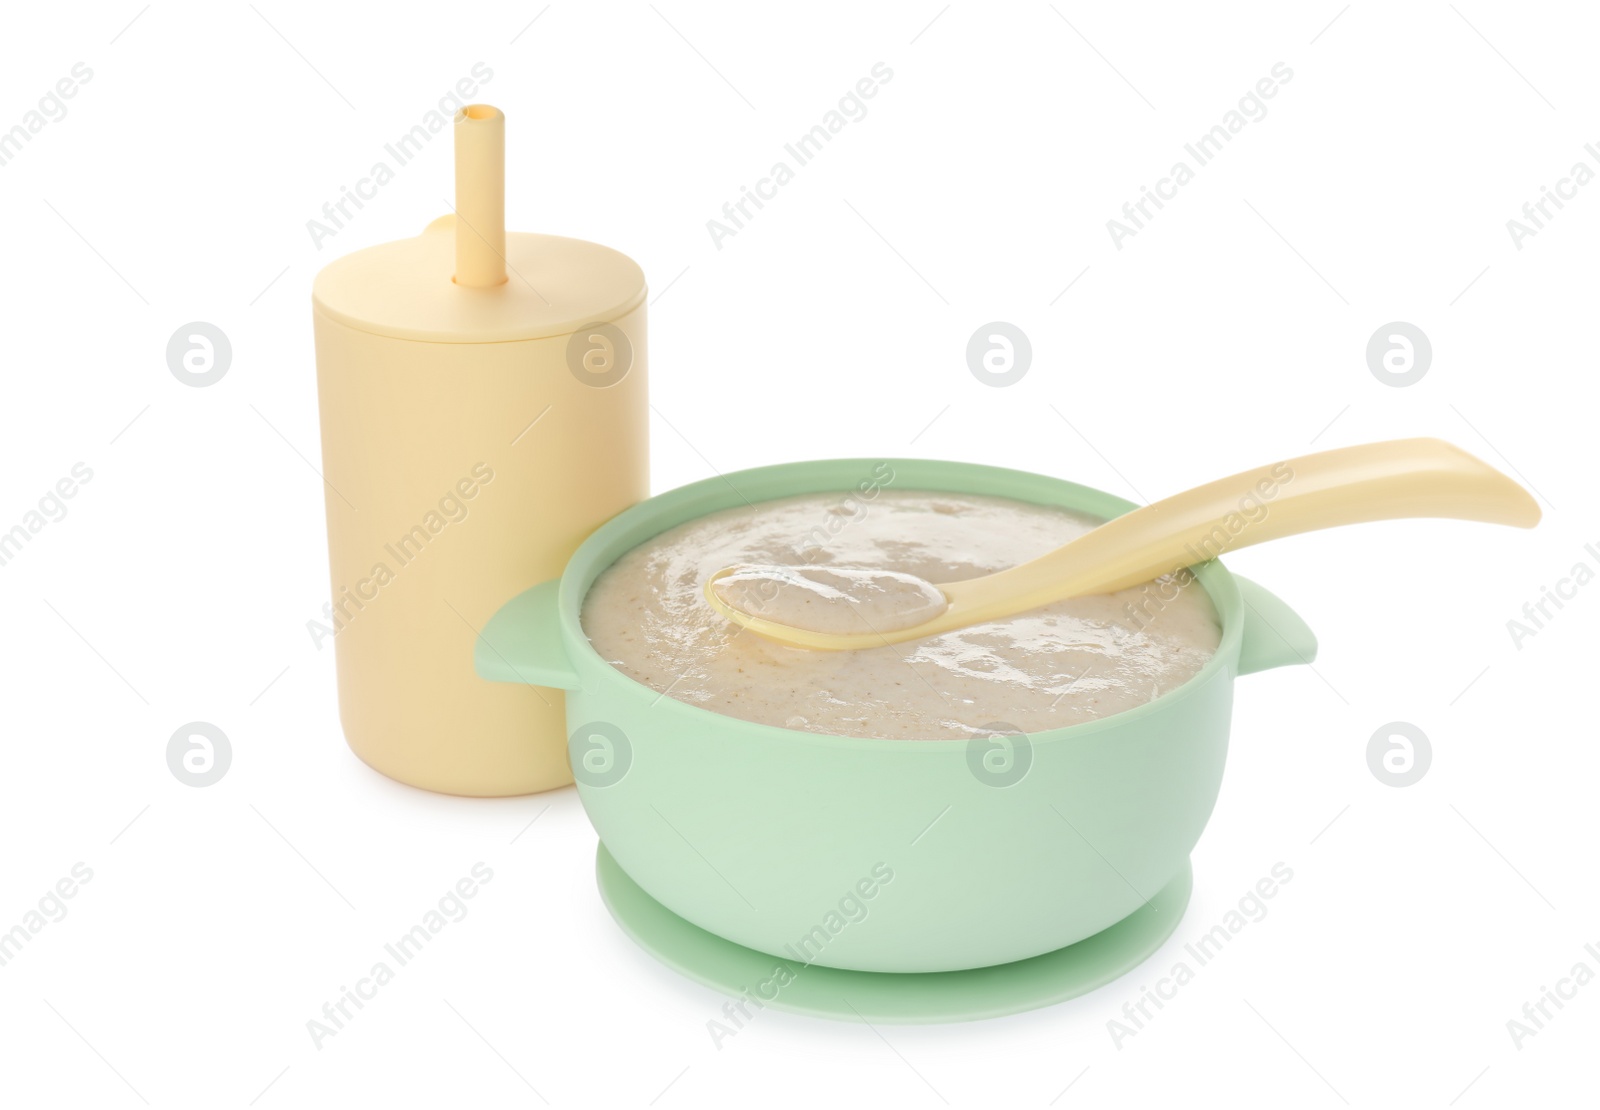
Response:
column 832, row 599
column 1063, row 663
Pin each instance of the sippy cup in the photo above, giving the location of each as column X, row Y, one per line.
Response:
column 484, row 408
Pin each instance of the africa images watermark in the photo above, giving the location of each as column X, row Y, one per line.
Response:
column 1552, row 1000
column 851, row 509
column 50, row 509
column 852, row 108
column 449, row 909
column 52, row 108
column 1250, row 909
column 1250, row 510
column 1252, row 108
column 851, row 909
column 48, row 910
column 1536, row 213
column 337, row 213
column 1537, row 614
column 350, row 600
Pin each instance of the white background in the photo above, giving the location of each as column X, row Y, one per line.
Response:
column 1231, row 331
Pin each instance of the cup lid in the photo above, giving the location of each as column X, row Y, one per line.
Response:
column 406, row 289
column 465, row 280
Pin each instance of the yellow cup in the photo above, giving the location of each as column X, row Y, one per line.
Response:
column 484, row 408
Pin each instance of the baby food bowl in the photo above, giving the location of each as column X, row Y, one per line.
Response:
column 886, row 880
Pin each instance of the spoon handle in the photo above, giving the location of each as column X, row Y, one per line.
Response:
column 1350, row 485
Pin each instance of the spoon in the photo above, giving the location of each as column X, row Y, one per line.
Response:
column 835, row 609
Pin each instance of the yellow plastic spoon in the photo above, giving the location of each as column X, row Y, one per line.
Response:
column 836, row 609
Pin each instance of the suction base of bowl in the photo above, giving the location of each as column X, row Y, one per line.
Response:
column 885, row 996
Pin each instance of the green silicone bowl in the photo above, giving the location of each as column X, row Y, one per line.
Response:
column 885, row 855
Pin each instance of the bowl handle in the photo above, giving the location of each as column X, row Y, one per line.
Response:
column 522, row 642
column 1274, row 634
